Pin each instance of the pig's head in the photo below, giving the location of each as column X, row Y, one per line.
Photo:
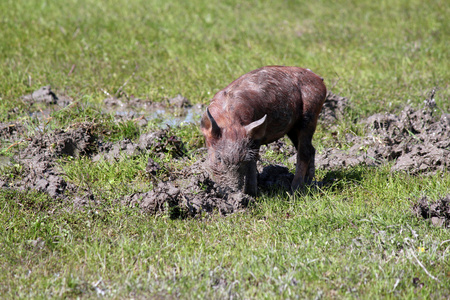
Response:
column 233, row 151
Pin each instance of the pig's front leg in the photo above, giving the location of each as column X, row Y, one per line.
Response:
column 251, row 179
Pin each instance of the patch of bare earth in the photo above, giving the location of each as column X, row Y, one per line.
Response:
column 417, row 141
column 438, row 212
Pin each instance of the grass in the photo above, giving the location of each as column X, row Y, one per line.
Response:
column 379, row 54
column 333, row 242
column 354, row 238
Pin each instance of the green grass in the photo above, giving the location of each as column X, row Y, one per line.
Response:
column 379, row 54
column 355, row 238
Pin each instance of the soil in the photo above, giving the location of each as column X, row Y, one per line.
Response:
column 438, row 212
column 170, row 111
column 191, row 193
column 47, row 96
column 416, row 141
column 333, row 109
column 160, row 141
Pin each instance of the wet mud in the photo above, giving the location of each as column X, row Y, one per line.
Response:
column 160, row 141
column 193, row 192
column 438, row 211
column 333, row 109
column 415, row 141
column 38, row 159
column 46, row 95
column 170, row 111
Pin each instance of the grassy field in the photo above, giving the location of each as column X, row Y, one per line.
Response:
column 356, row 238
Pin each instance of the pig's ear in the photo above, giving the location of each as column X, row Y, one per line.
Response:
column 209, row 125
column 256, row 130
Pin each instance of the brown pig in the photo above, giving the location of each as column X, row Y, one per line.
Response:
column 259, row 108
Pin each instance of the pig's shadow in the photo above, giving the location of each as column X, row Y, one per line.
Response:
column 276, row 179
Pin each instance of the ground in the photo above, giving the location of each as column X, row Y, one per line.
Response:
column 102, row 187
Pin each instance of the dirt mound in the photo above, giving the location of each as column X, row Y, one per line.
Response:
column 77, row 140
column 38, row 158
column 333, row 109
column 416, row 140
column 275, row 177
column 162, row 141
column 437, row 211
column 192, row 193
column 44, row 94
column 11, row 131
column 47, row 96
column 186, row 193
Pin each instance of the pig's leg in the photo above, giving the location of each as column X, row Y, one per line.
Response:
column 311, row 168
column 251, row 179
column 304, row 172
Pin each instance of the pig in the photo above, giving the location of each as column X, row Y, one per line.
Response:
column 259, row 108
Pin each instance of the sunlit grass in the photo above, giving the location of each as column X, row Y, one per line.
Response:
column 354, row 237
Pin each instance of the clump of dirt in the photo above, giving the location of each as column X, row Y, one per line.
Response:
column 161, row 141
column 44, row 94
column 333, row 109
column 192, row 193
column 416, row 140
column 186, row 193
column 280, row 147
column 75, row 141
column 38, row 158
column 12, row 131
column 437, row 211
column 47, row 96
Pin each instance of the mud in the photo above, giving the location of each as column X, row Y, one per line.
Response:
column 193, row 192
column 333, row 109
column 170, row 111
column 38, row 159
column 47, row 96
column 275, row 177
column 438, row 212
column 415, row 141
column 11, row 131
column 186, row 193
column 160, row 141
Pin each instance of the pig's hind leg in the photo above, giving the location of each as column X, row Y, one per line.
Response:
column 305, row 170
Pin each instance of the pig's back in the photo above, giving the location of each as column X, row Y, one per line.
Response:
column 284, row 94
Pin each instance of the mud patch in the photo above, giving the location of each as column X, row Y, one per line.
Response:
column 38, row 158
column 169, row 111
column 75, row 141
column 275, row 177
column 47, row 96
column 438, row 212
column 186, row 193
column 194, row 192
column 416, row 140
column 333, row 109
column 11, row 131
column 161, row 141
